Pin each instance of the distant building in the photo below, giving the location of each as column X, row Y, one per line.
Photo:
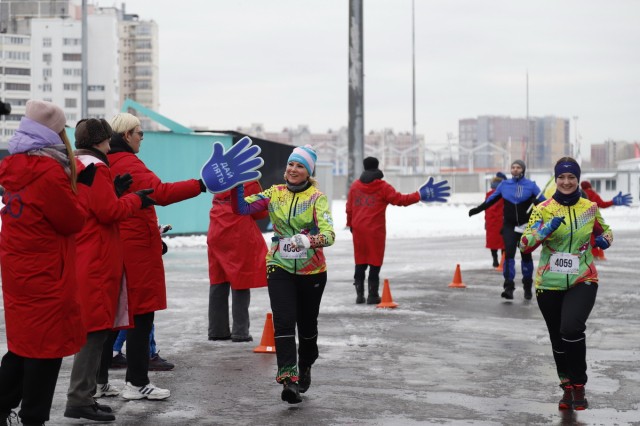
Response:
column 122, row 57
column 15, row 81
column 489, row 142
column 607, row 155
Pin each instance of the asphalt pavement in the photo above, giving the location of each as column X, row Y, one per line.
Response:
column 445, row 356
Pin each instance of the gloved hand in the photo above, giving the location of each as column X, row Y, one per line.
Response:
column 430, row 192
column 551, row 226
column 602, row 242
column 86, row 176
column 474, row 211
column 121, row 183
column 300, row 241
column 622, row 200
column 229, row 168
column 203, row 187
column 146, row 201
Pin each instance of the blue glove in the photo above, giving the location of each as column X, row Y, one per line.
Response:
column 622, row 200
column 434, row 192
column 227, row 169
column 602, row 242
column 551, row 226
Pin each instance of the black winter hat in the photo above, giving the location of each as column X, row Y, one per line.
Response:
column 92, row 131
column 370, row 163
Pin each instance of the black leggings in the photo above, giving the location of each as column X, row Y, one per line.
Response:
column 295, row 300
column 566, row 313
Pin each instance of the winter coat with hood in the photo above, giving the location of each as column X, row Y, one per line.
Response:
column 367, row 203
column 40, row 218
column 142, row 244
column 593, row 195
column 236, row 247
column 100, row 264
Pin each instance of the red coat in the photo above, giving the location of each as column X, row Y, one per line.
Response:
column 37, row 254
column 366, row 215
column 142, row 245
column 493, row 218
column 100, row 264
column 236, row 247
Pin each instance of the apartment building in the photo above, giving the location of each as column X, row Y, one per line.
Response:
column 15, row 81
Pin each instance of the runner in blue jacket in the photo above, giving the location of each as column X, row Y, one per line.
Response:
column 518, row 194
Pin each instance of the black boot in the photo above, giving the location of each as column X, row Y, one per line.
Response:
column 304, row 380
column 373, row 298
column 291, row 393
column 579, row 400
column 359, row 291
column 566, row 403
column 527, row 283
column 494, row 255
column 509, row 286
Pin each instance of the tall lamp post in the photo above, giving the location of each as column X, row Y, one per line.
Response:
column 413, row 69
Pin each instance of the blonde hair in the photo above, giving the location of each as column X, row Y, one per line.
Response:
column 124, row 122
column 73, row 175
column 311, row 179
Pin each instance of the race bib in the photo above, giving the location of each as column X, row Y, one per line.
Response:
column 520, row 228
column 288, row 252
column 564, row 263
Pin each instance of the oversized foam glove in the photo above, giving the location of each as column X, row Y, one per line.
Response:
column 622, row 200
column 121, row 183
column 602, row 242
column 227, row 169
column 430, row 192
column 300, row 241
column 551, row 226
column 86, row 176
column 146, row 201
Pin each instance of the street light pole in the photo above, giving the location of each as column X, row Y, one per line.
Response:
column 413, row 87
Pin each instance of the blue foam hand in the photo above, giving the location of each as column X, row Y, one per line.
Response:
column 227, row 169
column 430, row 192
column 602, row 242
column 622, row 200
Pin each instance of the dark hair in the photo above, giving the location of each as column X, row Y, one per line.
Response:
column 566, row 160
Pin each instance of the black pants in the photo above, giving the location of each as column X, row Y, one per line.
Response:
column 30, row 380
column 374, row 273
column 566, row 313
column 295, row 300
column 138, row 349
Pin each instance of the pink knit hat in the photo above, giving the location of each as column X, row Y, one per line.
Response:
column 46, row 114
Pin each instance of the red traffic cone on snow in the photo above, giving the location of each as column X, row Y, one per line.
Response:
column 457, row 279
column 387, row 300
column 268, row 341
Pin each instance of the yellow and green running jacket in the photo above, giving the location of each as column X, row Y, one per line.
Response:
column 566, row 257
column 305, row 212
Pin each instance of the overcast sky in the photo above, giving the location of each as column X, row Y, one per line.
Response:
column 282, row 63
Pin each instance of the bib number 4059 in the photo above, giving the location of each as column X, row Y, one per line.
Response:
column 564, row 263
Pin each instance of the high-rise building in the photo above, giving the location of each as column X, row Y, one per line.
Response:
column 122, row 56
column 139, row 64
column 490, row 142
column 15, row 81
column 607, row 155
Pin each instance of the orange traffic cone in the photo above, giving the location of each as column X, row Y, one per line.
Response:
column 501, row 266
column 268, row 341
column 387, row 300
column 457, row 279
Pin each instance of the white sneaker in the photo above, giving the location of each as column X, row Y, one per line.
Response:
column 147, row 391
column 106, row 390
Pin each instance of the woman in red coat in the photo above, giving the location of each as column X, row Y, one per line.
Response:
column 493, row 221
column 142, row 248
column 99, row 268
column 367, row 203
column 237, row 260
column 42, row 214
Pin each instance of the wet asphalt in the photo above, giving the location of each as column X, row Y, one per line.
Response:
column 445, row 356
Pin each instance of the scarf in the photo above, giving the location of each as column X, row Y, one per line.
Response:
column 567, row 199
